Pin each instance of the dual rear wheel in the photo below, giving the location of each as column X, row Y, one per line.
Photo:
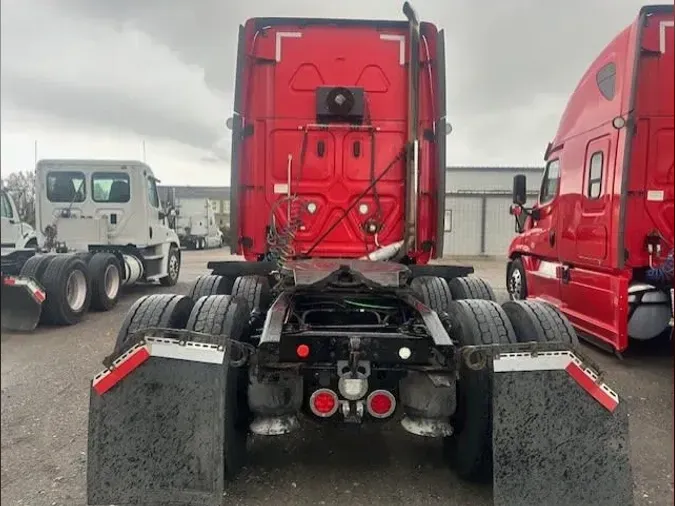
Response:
column 477, row 321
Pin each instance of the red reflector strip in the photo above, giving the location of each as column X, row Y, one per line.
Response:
column 9, row 281
column 594, row 389
column 39, row 295
column 122, row 367
column 559, row 361
column 159, row 347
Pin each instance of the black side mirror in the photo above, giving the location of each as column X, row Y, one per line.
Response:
column 519, row 189
column 161, row 215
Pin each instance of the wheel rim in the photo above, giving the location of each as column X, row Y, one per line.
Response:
column 111, row 281
column 173, row 266
column 76, row 290
column 515, row 284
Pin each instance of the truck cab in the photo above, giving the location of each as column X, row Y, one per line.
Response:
column 15, row 233
column 85, row 205
column 605, row 208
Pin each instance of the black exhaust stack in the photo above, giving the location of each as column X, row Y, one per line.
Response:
column 412, row 148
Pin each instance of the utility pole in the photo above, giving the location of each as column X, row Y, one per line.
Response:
column 35, row 153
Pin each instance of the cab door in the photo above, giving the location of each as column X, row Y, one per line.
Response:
column 542, row 237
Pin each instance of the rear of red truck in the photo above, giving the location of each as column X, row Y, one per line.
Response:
column 319, row 140
column 339, row 155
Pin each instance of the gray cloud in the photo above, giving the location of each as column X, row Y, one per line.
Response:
column 165, row 69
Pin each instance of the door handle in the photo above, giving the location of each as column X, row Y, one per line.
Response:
column 551, row 237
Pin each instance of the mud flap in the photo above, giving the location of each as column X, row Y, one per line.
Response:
column 21, row 304
column 156, row 430
column 559, row 437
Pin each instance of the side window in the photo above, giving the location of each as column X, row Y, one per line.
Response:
column 66, row 187
column 606, row 81
column 112, row 187
column 594, row 187
column 153, row 197
column 6, row 207
column 550, row 182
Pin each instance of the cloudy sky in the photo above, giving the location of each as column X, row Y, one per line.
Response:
column 94, row 78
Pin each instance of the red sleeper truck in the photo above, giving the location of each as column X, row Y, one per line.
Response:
column 605, row 209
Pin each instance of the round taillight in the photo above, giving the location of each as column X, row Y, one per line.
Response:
column 323, row 403
column 381, row 404
column 302, row 351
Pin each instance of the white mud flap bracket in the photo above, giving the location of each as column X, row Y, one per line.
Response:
column 156, row 425
column 560, row 435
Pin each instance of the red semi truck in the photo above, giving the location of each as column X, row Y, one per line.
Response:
column 605, row 209
column 336, row 317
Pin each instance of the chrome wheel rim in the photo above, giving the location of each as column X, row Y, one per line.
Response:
column 76, row 290
column 515, row 284
column 111, row 281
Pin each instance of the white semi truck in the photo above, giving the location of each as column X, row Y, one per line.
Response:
column 15, row 233
column 196, row 224
column 100, row 226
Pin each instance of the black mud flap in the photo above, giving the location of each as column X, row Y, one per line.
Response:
column 156, row 432
column 560, row 437
column 21, row 304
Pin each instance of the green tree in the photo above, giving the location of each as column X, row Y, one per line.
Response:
column 21, row 186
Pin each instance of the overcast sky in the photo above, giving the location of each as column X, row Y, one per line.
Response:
column 94, row 78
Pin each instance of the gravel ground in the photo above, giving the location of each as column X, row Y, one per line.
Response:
column 45, row 384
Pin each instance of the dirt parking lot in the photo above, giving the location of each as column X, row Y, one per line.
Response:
column 45, row 388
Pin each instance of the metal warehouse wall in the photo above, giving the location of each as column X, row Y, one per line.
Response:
column 477, row 219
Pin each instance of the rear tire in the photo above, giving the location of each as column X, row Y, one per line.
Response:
column 540, row 322
column 433, row 291
column 516, row 283
column 106, row 281
column 227, row 316
column 36, row 265
column 67, row 288
column 173, row 268
column 471, row 287
column 156, row 310
column 255, row 290
column 469, row 449
column 210, row 284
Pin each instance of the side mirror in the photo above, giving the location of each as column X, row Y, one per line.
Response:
column 519, row 189
column 161, row 215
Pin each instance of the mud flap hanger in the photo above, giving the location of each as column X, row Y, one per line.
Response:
column 174, row 345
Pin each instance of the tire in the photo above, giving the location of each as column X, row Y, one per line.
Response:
column 35, row 266
column 156, row 310
column 469, row 449
column 471, row 288
column 255, row 290
column 210, row 284
column 225, row 315
column 68, row 291
column 516, row 282
column 173, row 268
column 433, row 291
column 105, row 272
column 540, row 322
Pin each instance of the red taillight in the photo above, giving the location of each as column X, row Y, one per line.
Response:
column 323, row 403
column 302, row 351
column 381, row 404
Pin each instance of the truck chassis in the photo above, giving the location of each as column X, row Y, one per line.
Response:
column 352, row 342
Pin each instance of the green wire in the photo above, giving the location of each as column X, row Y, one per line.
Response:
column 368, row 306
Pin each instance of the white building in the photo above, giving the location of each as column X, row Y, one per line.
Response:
column 477, row 219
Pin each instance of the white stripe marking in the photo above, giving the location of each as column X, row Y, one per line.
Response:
column 192, row 351
column 662, row 34
column 401, row 40
column 281, row 35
